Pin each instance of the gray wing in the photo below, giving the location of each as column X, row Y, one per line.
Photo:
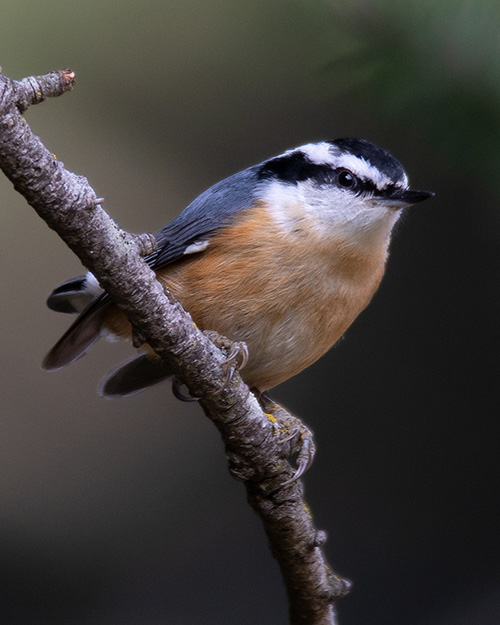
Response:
column 209, row 211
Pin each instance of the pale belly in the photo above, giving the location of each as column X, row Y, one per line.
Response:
column 286, row 325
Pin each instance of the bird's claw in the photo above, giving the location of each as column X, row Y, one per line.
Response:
column 237, row 349
column 236, row 359
column 305, row 457
column 295, row 433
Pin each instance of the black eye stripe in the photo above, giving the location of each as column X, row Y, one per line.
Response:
column 287, row 168
column 322, row 174
column 296, row 167
column 377, row 156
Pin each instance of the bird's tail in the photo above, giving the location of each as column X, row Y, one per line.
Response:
column 77, row 339
column 79, row 295
column 134, row 376
column 83, row 295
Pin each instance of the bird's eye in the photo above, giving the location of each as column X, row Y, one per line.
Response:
column 346, row 179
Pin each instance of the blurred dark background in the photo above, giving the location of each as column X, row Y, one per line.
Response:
column 124, row 512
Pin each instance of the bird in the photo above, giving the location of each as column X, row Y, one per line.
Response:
column 281, row 256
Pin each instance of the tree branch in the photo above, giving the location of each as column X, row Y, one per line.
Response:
column 257, row 444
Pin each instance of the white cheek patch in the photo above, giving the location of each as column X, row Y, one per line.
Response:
column 336, row 213
column 283, row 204
column 196, row 246
column 328, row 210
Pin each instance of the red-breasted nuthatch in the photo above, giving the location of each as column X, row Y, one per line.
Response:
column 283, row 255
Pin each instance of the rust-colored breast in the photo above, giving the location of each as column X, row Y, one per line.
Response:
column 288, row 294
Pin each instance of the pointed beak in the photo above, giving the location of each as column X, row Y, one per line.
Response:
column 400, row 198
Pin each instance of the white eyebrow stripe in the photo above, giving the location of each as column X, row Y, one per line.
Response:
column 364, row 169
column 321, row 154
column 318, row 153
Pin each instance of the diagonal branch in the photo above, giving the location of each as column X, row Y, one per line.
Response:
column 257, row 444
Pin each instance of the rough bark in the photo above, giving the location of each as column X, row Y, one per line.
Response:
column 258, row 444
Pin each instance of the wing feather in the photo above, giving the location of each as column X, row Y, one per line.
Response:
column 209, row 211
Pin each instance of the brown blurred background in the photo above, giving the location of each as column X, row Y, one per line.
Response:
column 123, row 512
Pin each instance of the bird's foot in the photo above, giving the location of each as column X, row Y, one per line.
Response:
column 236, row 356
column 294, row 433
